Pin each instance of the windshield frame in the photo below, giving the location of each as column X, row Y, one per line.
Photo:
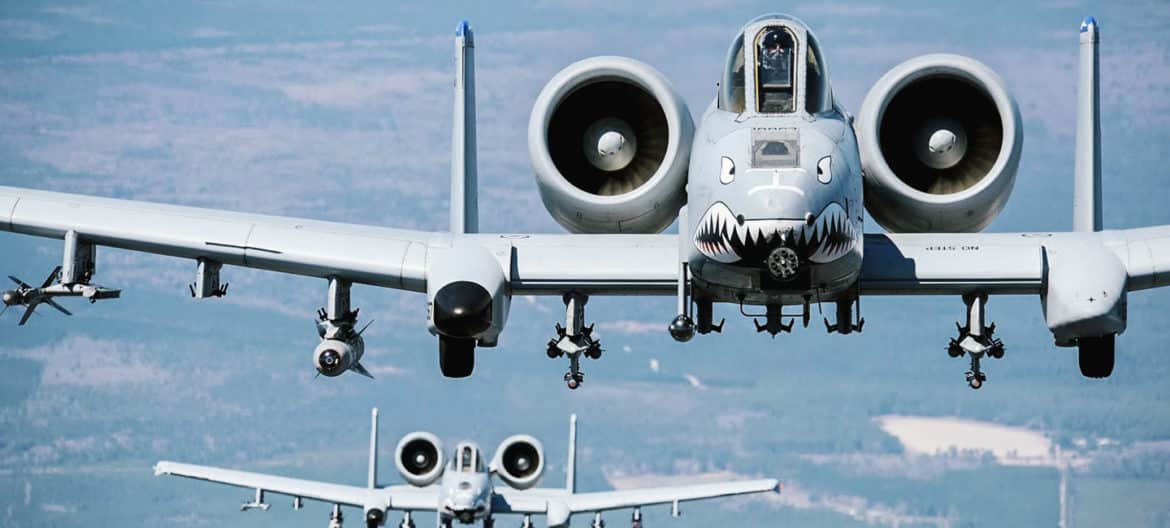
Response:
column 800, row 33
column 462, row 464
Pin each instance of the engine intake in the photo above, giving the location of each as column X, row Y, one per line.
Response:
column 610, row 142
column 519, row 461
column 419, row 458
column 940, row 141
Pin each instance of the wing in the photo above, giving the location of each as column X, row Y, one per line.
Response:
column 612, row 500
column 594, row 264
column 393, row 497
column 547, row 500
column 951, row 263
column 908, row 264
column 895, row 264
column 322, row 491
column 392, row 258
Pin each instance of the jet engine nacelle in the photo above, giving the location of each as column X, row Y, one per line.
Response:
column 940, row 141
column 334, row 356
column 419, row 458
column 519, row 461
column 610, row 142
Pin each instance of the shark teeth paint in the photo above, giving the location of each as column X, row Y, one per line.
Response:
column 833, row 234
column 726, row 238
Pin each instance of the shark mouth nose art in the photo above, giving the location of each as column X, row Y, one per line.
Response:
column 726, row 238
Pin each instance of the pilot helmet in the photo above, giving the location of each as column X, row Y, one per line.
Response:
column 773, row 38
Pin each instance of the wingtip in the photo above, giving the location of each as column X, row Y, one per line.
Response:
column 463, row 28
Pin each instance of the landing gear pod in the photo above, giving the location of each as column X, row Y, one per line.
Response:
column 1085, row 302
column 467, row 303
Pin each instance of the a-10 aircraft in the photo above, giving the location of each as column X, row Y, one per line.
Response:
column 463, row 490
column 769, row 192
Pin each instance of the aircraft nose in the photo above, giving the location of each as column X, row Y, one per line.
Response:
column 779, row 199
column 10, row 298
column 778, row 194
column 464, row 501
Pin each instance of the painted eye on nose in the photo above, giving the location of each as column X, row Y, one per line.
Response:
column 825, row 169
column 726, row 171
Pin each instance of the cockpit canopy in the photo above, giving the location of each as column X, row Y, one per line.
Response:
column 467, row 459
column 787, row 73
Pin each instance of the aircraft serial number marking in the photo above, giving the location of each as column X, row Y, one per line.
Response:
column 952, row 248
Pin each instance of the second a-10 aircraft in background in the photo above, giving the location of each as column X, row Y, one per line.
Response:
column 769, row 192
column 462, row 490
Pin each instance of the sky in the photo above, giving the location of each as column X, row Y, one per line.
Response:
column 343, row 113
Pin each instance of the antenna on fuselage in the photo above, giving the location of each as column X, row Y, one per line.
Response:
column 464, row 195
column 571, row 467
column 372, row 474
column 1087, row 168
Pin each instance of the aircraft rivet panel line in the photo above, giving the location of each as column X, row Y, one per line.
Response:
column 148, row 229
column 7, row 208
column 315, row 252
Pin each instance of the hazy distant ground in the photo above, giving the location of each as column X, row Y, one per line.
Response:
column 344, row 115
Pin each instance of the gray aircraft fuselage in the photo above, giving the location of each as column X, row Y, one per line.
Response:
column 465, row 489
column 774, row 194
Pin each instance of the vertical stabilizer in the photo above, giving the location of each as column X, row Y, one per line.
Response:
column 464, row 195
column 372, row 475
column 1087, row 169
column 571, row 468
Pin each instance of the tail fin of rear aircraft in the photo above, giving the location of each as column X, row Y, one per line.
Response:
column 571, row 468
column 372, row 475
column 1087, row 168
column 464, row 195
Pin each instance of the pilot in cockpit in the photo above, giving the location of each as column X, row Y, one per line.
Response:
column 775, row 59
column 775, row 70
column 467, row 461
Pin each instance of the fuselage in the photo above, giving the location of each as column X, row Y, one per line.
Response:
column 465, row 490
column 774, row 192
